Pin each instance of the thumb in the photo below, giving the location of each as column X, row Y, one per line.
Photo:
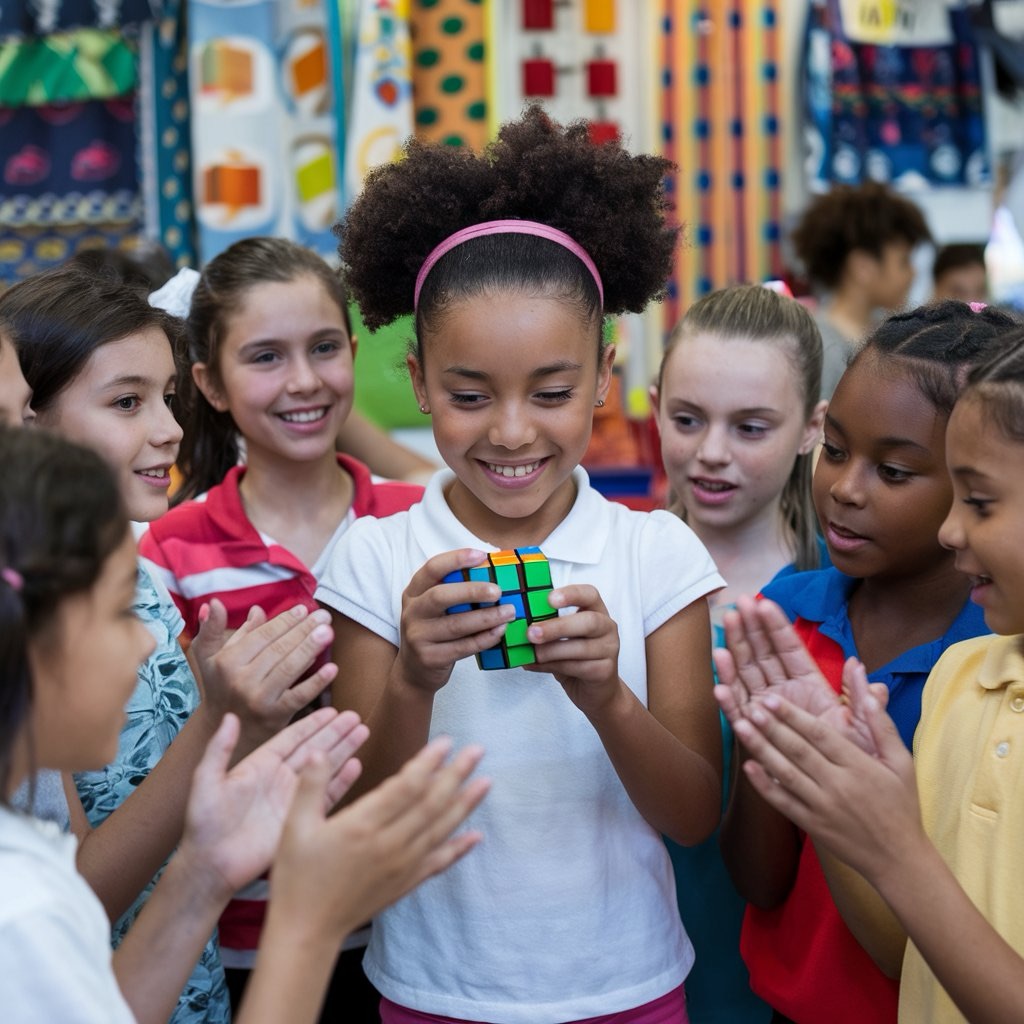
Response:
column 309, row 803
column 888, row 741
column 213, row 618
column 213, row 765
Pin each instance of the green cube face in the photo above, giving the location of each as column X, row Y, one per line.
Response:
column 521, row 656
column 538, row 574
column 515, row 633
column 507, row 577
column 538, row 604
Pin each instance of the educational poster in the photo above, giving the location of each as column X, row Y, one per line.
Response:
column 380, row 108
column 894, row 95
column 264, row 139
column 723, row 131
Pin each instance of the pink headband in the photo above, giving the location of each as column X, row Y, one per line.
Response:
column 506, row 227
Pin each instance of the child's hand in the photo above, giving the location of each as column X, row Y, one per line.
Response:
column 765, row 657
column 334, row 873
column 253, row 671
column 863, row 809
column 234, row 818
column 431, row 639
column 580, row 650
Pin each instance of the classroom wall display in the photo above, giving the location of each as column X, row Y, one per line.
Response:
column 263, row 128
column 894, row 94
column 721, row 107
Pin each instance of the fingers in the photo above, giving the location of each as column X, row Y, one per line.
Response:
column 286, row 742
column 283, row 648
column 785, row 647
column 213, row 765
column 434, row 570
column 213, row 623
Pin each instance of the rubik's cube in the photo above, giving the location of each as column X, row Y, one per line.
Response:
column 524, row 576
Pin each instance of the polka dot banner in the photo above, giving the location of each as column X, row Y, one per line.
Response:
column 449, row 82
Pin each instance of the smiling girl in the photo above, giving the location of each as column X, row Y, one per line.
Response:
column 893, row 599
column 511, row 261
column 99, row 362
column 272, row 359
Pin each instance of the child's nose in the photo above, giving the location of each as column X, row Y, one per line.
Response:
column 951, row 533
column 714, row 447
column 166, row 429
column 511, row 427
column 847, row 487
column 303, row 377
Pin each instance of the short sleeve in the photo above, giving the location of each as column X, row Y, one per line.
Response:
column 362, row 576
column 159, row 604
column 48, row 976
column 675, row 569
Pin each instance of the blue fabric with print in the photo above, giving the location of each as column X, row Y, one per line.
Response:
column 164, row 697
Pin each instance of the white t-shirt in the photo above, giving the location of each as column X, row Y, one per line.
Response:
column 567, row 909
column 55, row 958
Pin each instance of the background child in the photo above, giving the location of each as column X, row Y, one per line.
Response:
column 510, row 261
column 71, row 647
column 855, row 243
column 958, row 272
column 738, row 413
column 99, row 361
column 893, row 599
column 272, row 357
column 966, row 942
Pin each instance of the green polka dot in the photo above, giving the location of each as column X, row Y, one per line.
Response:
column 454, row 140
column 452, row 83
column 426, row 115
column 477, row 111
column 475, row 51
column 451, row 26
column 428, row 3
column 427, row 58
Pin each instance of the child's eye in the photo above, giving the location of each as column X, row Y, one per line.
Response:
column 127, row 403
column 831, row 451
column 171, row 399
column 753, row 430
column 460, row 398
column 893, row 474
column 326, row 348
column 561, row 395
column 684, row 421
column 264, row 357
column 980, row 505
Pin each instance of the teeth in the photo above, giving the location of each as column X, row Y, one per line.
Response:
column 304, row 417
column 511, row 471
column 714, row 485
column 158, row 473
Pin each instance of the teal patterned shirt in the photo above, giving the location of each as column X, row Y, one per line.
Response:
column 165, row 695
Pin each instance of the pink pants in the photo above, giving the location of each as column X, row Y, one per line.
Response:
column 667, row 1009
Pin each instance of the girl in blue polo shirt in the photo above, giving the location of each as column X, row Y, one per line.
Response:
column 894, row 599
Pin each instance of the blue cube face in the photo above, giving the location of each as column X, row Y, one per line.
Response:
column 525, row 578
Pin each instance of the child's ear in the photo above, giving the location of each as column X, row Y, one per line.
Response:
column 353, row 344
column 203, row 379
column 813, row 428
column 418, row 385
column 655, row 396
column 604, row 373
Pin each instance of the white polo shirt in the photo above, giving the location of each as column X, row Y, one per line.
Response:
column 567, row 909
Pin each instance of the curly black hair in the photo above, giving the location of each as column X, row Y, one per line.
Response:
column 867, row 217
column 610, row 201
column 941, row 344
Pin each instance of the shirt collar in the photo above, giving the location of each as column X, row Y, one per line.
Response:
column 1004, row 662
column 580, row 537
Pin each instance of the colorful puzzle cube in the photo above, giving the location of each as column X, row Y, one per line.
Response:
column 524, row 576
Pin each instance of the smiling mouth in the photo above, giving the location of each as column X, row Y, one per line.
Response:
column 154, row 474
column 308, row 416
column 513, row 471
column 714, row 486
